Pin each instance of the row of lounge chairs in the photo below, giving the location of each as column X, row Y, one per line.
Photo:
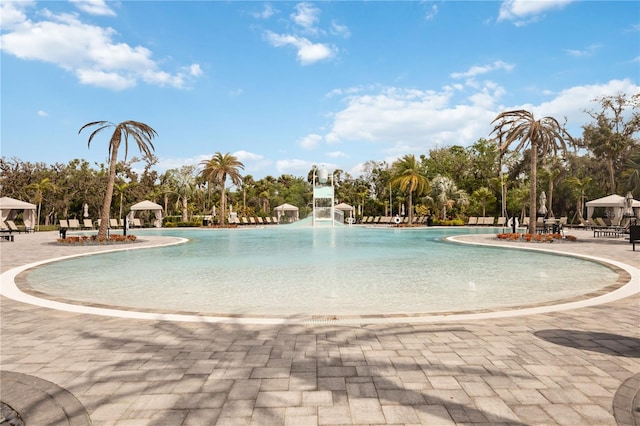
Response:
column 88, row 224
column 486, row 221
column 10, row 226
column 392, row 220
column 254, row 220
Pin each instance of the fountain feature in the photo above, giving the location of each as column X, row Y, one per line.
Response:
column 324, row 212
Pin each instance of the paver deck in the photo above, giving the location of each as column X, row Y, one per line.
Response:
column 579, row 366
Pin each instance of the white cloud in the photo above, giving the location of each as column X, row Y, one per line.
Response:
column 572, row 102
column 310, row 141
column 589, row 51
column 522, row 12
column 306, row 16
column 483, row 69
column 308, row 52
column 267, row 12
column 247, row 156
column 294, row 167
column 43, row 113
column 431, row 13
column 336, row 154
column 94, row 7
column 86, row 50
column 340, row 30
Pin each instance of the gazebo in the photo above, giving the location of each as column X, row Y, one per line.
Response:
column 347, row 209
column 10, row 207
column 148, row 205
column 615, row 204
column 288, row 211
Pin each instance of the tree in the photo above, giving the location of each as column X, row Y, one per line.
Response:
column 483, row 195
column 121, row 188
column 40, row 188
column 579, row 187
column 445, row 194
column 611, row 137
column 409, row 176
column 141, row 133
column 218, row 169
column 182, row 182
column 542, row 136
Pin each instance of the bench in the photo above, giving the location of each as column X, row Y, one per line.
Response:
column 6, row 235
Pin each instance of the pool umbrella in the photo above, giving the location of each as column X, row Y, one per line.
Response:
column 543, row 204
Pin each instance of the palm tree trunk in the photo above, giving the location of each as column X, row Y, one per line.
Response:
column 533, row 209
column 612, row 179
column 222, row 205
column 185, row 209
column 106, row 206
column 38, row 221
column 410, row 208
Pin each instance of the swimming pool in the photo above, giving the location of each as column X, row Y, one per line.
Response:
column 305, row 271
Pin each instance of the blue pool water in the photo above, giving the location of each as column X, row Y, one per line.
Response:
column 320, row 271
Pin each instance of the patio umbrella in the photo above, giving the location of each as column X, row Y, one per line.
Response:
column 543, row 204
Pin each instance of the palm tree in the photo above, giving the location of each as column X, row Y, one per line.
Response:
column 409, row 176
column 445, row 193
column 579, row 188
column 543, row 136
column 121, row 188
column 183, row 184
column 141, row 133
column 482, row 195
column 218, row 169
column 40, row 188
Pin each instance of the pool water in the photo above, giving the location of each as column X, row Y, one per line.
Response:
column 284, row 270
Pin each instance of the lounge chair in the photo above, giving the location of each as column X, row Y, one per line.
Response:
column 13, row 227
column 137, row 222
column 473, row 220
column 244, row 221
column 74, row 224
column 113, row 223
column 260, row 221
column 274, row 220
column 502, row 221
column 5, row 232
column 252, row 220
column 64, row 224
column 87, row 224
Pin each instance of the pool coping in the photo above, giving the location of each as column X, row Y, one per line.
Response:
column 628, row 283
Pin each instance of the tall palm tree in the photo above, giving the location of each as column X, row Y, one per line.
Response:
column 217, row 170
column 409, row 176
column 40, row 188
column 542, row 136
column 141, row 133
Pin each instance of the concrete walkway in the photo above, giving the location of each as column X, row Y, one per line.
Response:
column 579, row 366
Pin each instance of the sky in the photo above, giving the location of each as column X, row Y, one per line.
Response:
column 284, row 85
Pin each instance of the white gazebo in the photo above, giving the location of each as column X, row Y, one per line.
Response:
column 288, row 211
column 156, row 209
column 613, row 203
column 10, row 207
column 347, row 209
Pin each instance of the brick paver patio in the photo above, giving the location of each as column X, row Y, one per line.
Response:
column 574, row 367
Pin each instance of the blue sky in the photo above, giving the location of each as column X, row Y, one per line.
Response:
column 285, row 85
